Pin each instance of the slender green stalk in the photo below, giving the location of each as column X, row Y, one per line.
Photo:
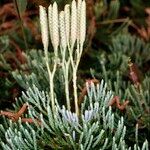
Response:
column 21, row 23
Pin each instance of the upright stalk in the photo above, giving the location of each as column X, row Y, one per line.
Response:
column 75, row 91
column 66, row 76
column 74, row 79
column 52, row 94
column 21, row 23
column 50, row 81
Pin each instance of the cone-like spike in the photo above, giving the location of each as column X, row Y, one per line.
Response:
column 44, row 27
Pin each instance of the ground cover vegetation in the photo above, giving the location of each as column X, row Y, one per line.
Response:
column 74, row 74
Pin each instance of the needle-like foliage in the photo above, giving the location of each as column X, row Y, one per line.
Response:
column 44, row 116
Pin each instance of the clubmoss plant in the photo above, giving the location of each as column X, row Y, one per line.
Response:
column 43, row 122
column 67, row 31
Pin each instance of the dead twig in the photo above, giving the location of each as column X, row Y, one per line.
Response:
column 134, row 74
column 15, row 116
column 116, row 100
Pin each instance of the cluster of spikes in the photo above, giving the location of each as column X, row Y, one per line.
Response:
column 66, row 31
column 66, row 27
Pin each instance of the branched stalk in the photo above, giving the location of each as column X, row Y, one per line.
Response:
column 45, row 40
column 51, row 76
column 74, row 69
